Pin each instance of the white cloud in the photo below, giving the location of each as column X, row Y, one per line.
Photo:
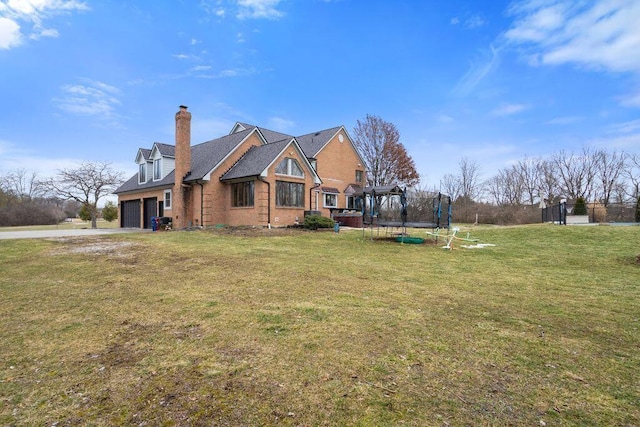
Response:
column 92, row 98
column 43, row 32
column 258, row 9
column 625, row 127
column 508, row 109
column 232, row 72
column 474, row 22
column 630, row 100
column 566, row 120
column 486, row 62
column 34, row 12
column 443, row 118
column 9, row 33
column 280, row 124
column 602, row 34
column 454, row 21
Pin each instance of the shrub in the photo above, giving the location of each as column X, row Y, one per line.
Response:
column 84, row 213
column 110, row 211
column 580, row 207
column 313, row 222
column 638, row 210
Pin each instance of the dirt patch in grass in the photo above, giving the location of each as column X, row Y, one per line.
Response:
column 95, row 246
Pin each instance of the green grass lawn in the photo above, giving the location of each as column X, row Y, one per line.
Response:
column 318, row 328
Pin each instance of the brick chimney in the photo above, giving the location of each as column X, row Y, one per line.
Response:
column 183, row 167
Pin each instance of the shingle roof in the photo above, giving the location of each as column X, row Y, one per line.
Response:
column 132, row 183
column 273, row 136
column 255, row 160
column 165, row 149
column 205, row 156
column 145, row 153
column 330, row 190
column 312, row 143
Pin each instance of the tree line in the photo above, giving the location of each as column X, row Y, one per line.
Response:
column 27, row 199
column 600, row 176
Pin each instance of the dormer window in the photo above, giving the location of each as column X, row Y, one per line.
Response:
column 290, row 167
column 157, row 170
column 142, row 173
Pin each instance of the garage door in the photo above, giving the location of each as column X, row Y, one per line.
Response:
column 150, row 210
column 130, row 214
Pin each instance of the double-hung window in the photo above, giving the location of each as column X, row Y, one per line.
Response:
column 242, row 194
column 167, row 199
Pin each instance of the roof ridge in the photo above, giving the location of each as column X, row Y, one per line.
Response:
column 317, row 132
column 219, row 138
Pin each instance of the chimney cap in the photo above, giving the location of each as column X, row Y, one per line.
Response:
column 183, row 107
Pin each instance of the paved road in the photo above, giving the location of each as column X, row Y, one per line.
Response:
column 39, row 234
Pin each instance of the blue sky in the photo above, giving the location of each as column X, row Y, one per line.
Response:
column 494, row 81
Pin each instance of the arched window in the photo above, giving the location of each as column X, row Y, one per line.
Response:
column 291, row 167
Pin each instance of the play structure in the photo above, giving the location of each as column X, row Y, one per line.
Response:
column 388, row 208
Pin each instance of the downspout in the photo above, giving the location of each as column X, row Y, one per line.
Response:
column 268, row 200
column 201, row 184
column 311, row 196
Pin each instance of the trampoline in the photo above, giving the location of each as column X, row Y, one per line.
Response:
column 388, row 207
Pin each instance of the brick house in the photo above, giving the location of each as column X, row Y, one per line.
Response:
column 252, row 176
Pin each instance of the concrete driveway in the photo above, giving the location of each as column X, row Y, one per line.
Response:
column 40, row 234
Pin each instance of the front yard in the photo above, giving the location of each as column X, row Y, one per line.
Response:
column 318, row 328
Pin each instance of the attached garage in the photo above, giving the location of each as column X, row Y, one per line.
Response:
column 130, row 214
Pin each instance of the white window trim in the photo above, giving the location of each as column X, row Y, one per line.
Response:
column 168, row 207
column 324, row 200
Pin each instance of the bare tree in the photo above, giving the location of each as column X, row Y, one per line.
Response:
column 450, row 184
column 513, row 185
column 495, row 187
column 632, row 172
column 22, row 184
column 576, row 173
column 470, row 179
column 87, row 184
column 609, row 168
column 385, row 157
column 549, row 185
column 529, row 171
